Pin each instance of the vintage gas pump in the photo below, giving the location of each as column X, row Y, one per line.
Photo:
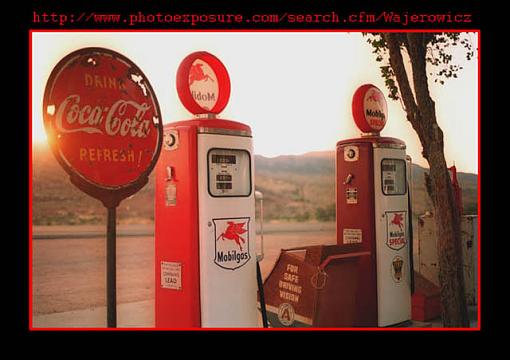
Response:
column 373, row 211
column 205, row 209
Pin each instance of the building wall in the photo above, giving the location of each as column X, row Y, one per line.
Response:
column 426, row 259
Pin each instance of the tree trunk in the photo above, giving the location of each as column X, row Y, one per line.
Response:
column 447, row 218
column 420, row 109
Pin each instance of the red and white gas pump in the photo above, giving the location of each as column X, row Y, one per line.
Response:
column 373, row 210
column 205, row 209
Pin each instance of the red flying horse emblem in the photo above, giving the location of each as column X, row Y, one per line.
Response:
column 196, row 73
column 398, row 219
column 376, row 96
column 233, row 232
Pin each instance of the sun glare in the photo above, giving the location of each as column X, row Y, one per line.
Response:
column 304, row 87
column 38, row 133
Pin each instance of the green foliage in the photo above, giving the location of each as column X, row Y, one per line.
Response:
column 57, row 202
column 439, row 55
column 327, row 213
column 302, row 217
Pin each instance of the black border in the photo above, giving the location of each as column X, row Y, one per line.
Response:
column 485, row 17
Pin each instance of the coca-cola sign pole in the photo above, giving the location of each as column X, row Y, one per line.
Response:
column 104, row 127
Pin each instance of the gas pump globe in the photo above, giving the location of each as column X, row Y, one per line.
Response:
column 205, row 209
column 373, row 210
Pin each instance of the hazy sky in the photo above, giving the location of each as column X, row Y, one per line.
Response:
column 293, row 88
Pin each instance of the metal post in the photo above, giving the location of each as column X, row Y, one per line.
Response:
column 262, row 298
column 410, row 211
column 262, row 227
column 111, row 268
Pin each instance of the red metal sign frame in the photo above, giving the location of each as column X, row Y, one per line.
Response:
column 128, row 84
column 361, row 114
column 184, row 74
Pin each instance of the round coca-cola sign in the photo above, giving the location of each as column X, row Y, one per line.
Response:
column 203, row 84
column 369, row 109
column 102, row 119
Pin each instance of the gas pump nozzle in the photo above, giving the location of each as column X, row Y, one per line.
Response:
column 260, row 196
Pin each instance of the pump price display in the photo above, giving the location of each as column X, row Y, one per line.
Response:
column 224, row 186
column 393, row 176
column 229, row 172
column 224, row 177
column 223, row 159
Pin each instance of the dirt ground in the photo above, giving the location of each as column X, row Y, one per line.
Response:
column 69, row 274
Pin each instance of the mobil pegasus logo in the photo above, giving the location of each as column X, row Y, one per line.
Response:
column 197, row 73
column 232, row 242
column 203, row 84
column 375, row 108
column 375, row 96
column 398, row 220
column 234, row 232
column 396, row 229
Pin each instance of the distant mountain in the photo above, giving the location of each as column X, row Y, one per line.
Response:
column 310, row 163
column 300, row 185
column 295, row 187
column 323, row 162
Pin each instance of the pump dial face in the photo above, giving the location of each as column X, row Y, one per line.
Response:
column 229, row 172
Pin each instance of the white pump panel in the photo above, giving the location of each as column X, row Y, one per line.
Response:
column 392, row 236
column 227, row 231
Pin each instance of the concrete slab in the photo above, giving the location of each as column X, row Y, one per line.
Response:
column 129, row 315
column 141, row 315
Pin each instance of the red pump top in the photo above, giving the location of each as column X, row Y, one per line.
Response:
column 373, row 140
column 212, row 123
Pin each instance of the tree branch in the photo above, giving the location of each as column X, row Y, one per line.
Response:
column 430, row 188
column 417, row 51
column 397, row 64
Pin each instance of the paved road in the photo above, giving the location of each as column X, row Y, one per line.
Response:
column 69, row 272
column 92, row 231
